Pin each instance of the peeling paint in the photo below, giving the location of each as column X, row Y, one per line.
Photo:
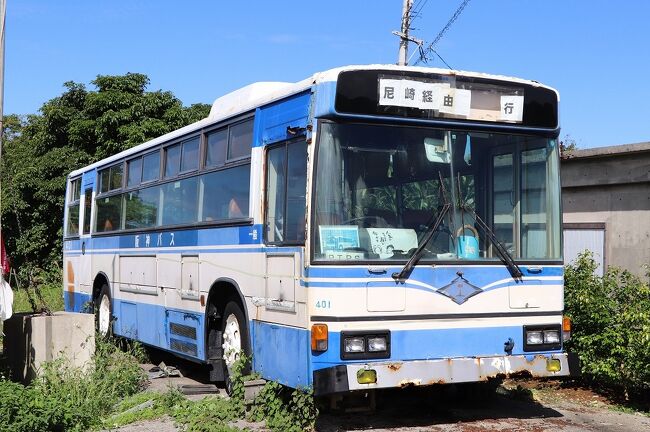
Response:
column 410, row 382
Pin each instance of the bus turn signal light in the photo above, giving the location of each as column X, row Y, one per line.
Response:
column 319, row 337
column 566, row 328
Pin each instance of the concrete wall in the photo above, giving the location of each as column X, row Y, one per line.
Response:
column 611, row 185
column 31, row 340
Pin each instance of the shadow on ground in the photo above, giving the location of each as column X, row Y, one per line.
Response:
column 431, row 406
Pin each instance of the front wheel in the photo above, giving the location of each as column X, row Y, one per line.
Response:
column 235, row 341
column 103, row 311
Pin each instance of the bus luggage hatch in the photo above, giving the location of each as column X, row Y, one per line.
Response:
column 281, row 279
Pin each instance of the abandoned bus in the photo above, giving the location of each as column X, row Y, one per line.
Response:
column 368, row 227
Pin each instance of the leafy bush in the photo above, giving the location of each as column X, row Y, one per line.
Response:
column 64, row 398
column 611, row 326
column 285, row 409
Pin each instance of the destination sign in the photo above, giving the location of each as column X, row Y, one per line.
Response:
column 491, row 104
column 409, row 94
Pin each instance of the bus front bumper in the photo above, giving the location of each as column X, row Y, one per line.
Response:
column 388, row 374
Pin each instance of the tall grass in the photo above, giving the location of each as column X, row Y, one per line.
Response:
column 65, row 398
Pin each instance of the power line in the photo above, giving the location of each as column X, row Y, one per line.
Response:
column 431, row 48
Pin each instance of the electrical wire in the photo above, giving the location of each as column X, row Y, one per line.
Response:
column 430, row 49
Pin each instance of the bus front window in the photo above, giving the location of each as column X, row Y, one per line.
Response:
column 379, row 189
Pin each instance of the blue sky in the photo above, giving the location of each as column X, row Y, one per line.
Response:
column 596, row 52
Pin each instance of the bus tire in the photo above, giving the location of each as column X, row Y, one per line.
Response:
column 104, row 312
column 235, row 341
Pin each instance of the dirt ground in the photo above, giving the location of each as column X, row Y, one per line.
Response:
column 518, row 405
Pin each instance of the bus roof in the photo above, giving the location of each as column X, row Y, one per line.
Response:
column 259, row 94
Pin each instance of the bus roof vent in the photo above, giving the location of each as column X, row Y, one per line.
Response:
column 246, row 98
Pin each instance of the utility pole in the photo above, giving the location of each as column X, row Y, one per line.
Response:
column 404, row 36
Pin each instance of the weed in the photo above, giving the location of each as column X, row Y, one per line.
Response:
column 285, row 409
column 66, row 398
column 145, row 406
column 519, row 393
column 50, row 297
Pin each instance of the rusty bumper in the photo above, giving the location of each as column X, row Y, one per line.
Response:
column 440, row 371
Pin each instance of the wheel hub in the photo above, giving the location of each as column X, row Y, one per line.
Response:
column 231, row 341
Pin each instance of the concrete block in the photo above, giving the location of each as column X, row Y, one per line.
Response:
column 252, row 388
column 30, row 340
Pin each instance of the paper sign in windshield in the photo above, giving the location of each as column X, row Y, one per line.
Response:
column 426, row 96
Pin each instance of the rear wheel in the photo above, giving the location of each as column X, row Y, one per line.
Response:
column 235, row 340
column 103, row 311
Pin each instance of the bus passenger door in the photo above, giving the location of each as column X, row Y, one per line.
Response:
column 72, row 246
column 86, row 258
column 285, row 221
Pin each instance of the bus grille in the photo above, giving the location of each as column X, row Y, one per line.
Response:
column 184, row 347
column 182, row 330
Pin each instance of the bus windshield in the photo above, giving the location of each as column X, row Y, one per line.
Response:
column 379, row 189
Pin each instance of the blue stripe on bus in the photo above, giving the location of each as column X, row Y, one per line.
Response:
column 193, row 251
column 161, row 239
column 476, row 274
column 362, row 283
column 433, row 344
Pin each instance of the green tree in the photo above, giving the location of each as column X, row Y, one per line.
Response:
column 74, row 129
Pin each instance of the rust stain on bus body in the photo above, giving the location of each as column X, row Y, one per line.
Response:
column 70, row 283
column 394, row 367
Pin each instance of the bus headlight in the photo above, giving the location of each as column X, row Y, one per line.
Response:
column 534, row 338
column 551, row 336
column 543, row 337
column 361, row 344
column 376, row 344
column 354, row 345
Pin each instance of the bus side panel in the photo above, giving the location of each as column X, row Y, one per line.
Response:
column 280, row 353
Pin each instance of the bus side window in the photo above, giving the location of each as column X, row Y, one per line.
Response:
column 286, row 183
column 74, row 202
column 88, row 203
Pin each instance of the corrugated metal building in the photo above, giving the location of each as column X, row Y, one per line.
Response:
column 606, row 205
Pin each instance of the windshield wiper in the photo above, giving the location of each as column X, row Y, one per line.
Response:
column 431, row 230
column 501, row 250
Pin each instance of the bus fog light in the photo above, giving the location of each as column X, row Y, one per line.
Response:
column 354, row 345
column 376, row 344
column 534, row 338
column 553, row 365
column 551, row 336
column 366, row 376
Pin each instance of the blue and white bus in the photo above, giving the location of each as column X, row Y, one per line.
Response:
column 369, row 227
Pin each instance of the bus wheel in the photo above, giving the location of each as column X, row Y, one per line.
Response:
column 103, row 311
column 235, row 341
